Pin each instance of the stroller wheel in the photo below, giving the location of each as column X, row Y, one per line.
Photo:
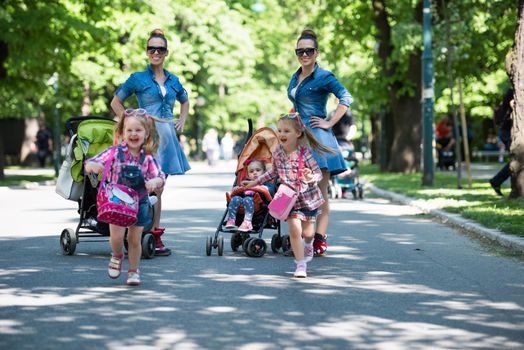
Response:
column 220, row 243
column 148, row 246
column 276, row 243
column 236, row 241
column 209, row 243
column 256, row 247
column 245, row 244
column 68, row 241
column 286, row 243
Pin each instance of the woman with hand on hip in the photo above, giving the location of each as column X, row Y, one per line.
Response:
column 309, row 90
column 156, row 90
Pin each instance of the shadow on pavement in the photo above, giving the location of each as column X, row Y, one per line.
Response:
column 364, row 294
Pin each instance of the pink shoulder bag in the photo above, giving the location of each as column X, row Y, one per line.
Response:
column 285, row 198
column 116, row 204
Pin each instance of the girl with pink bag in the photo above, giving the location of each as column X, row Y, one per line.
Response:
column 132, row 165
column 298, row 171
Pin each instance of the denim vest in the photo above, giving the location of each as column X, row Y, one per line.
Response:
column 147, row 91
column 312, row 93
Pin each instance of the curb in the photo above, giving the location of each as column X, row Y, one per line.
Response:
column 512, row 242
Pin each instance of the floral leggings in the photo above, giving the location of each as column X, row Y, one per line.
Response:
column 249, row 207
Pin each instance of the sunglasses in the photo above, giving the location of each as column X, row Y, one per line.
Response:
column 160, row 49
column 309, row 51
column 139, row 112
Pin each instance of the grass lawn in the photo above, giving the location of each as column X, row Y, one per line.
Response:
column 479, row 203
column 24, row 177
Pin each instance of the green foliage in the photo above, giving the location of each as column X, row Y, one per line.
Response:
column 238, row 54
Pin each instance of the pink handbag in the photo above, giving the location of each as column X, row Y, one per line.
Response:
column 285, row 198
column 116, row 204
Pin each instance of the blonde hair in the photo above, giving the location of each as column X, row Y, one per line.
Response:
column 151, row 140
column 307, row 138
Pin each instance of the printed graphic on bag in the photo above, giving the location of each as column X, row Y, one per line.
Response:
column 117, row 205
column 119, row 195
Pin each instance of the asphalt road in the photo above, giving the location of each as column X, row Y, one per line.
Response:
column 393, row 279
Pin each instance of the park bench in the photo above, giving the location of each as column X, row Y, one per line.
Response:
column 485, row 156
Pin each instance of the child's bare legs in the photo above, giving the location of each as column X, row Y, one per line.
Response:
column 158, row 207
column 323, row 217
column 308, row 231
column 134, row 240
column 116, row 239
column 295, row 236
column 134, row 249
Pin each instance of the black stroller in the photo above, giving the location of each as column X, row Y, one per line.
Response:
column 446, row 158
column 259, row 146
column 89, row 136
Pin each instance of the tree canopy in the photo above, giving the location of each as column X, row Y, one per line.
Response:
column 238, row 54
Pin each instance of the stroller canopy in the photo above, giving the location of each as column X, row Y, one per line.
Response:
column 259, row 146
column 92, row 137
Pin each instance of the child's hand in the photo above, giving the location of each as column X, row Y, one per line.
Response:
column 307, row 175
column 248, row 184
column 94, row 167
column 154, row 184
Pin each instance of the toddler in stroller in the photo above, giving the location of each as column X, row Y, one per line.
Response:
column 247, row 211
column 245, row 197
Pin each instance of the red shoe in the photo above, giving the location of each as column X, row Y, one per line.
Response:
column 161, row 249
column 319, row 244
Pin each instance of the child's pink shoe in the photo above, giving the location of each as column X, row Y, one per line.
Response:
column 246, row 226
column 230, row 224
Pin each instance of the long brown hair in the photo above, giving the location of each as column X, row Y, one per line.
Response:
column 307, row 138
column 150, row 145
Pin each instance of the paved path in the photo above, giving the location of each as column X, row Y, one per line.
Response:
column 393, row 279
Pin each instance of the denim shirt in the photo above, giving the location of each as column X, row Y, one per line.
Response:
column 148, row 93
column 312, row 93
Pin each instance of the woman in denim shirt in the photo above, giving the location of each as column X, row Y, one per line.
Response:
column 309, row 90
column 156, row 90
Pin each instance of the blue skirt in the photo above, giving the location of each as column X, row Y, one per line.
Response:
column 170, row 155
column 332, row 162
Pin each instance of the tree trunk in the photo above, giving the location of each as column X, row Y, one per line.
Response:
column 3, row 74
column 402, row 142
column 2, row 160
column 404, row 153
column 374, row 137
column 517, row 131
